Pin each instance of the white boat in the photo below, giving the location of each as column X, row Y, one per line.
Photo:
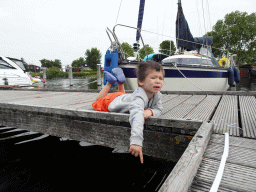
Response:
column 187, row 76
column 12, row 72
column 194, row 68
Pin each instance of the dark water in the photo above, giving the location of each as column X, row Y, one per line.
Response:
column 58, row 164
column 246, row 84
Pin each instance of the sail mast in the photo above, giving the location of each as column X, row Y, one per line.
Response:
column 139, row 25
column 140, row 18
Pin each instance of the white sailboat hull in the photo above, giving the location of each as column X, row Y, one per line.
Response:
column 196, row 79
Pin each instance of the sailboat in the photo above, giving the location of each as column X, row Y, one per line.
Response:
column 193, row 68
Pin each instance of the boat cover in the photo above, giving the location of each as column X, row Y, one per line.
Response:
column 156, row 57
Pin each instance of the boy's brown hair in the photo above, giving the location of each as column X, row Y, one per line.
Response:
column 144, row 68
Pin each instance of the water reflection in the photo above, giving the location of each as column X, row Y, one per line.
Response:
column 82, row 83
column 246, row 84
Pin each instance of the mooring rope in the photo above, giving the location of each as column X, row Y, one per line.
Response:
column 175, row 65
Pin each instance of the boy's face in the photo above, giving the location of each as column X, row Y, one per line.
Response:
column 153, row 82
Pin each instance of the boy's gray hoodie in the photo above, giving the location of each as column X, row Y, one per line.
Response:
column 136, row 103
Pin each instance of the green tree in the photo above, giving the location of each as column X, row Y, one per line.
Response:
column 127, row 49
column 78, row 62
column 165, row 47
column 93, row 57
column 50, row 63
column 237, row 34
column 148, row 49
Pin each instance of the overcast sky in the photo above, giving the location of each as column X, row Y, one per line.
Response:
column 62, row 29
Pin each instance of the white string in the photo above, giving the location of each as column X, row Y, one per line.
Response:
column 203, row 15
column 118, row 11
column 209, row 17
column 200, row 28
column 224, row 157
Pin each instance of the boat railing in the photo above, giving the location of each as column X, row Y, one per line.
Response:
column 116, row 45
column 117, row 41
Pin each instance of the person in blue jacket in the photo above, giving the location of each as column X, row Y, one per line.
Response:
column 141, row 104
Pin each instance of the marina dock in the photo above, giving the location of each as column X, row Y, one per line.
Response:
column 189, row 132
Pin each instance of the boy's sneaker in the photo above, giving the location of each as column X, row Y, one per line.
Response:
column 118, row 72
column 110, row 78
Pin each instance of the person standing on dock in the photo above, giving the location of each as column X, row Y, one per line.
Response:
column 141, row 104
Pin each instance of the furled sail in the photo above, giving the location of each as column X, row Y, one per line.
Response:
column 140, row 18
column 184, row 38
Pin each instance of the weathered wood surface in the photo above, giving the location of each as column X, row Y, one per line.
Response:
column 240, row 169
column 248, row 115
column 184, row 171
column 241, row 93
column 205, row 109
column 164, row 138
column 69, row 114
column 224, row 111
column 225, row 118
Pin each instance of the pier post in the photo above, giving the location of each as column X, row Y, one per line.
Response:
column 98, row 76
column 44, row 74
column 70, row 76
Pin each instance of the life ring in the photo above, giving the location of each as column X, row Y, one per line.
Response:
column 230, row 76
column 224, row 62
column 236, row 75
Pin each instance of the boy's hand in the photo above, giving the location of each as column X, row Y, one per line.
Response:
column 147, row 113
column 136, row 150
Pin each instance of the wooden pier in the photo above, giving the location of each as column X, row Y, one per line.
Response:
column 200, row 116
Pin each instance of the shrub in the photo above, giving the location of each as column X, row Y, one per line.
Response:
column 55, row 72
column 33, row 74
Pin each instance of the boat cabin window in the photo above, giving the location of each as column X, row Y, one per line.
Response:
column 190, row 61
column 19, row 63
column 206, row 62
column 5, row 65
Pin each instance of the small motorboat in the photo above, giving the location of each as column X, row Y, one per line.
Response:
column 13, row 72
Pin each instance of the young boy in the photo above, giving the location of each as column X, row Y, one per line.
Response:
column 141, row 104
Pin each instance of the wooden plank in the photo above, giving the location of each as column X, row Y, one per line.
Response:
column 54, row 100
column 202, row 185
column 248, row 115
column 185, row 170
column 18, row 97
column 163, row 138
column 184, row 108
column 225, row 118
column 237, row 155
column 233, row 179
column 13, row 96
column 165, row 97
column 234, row 141
column 205, row 109
column 173, row 103
column 242, row 93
